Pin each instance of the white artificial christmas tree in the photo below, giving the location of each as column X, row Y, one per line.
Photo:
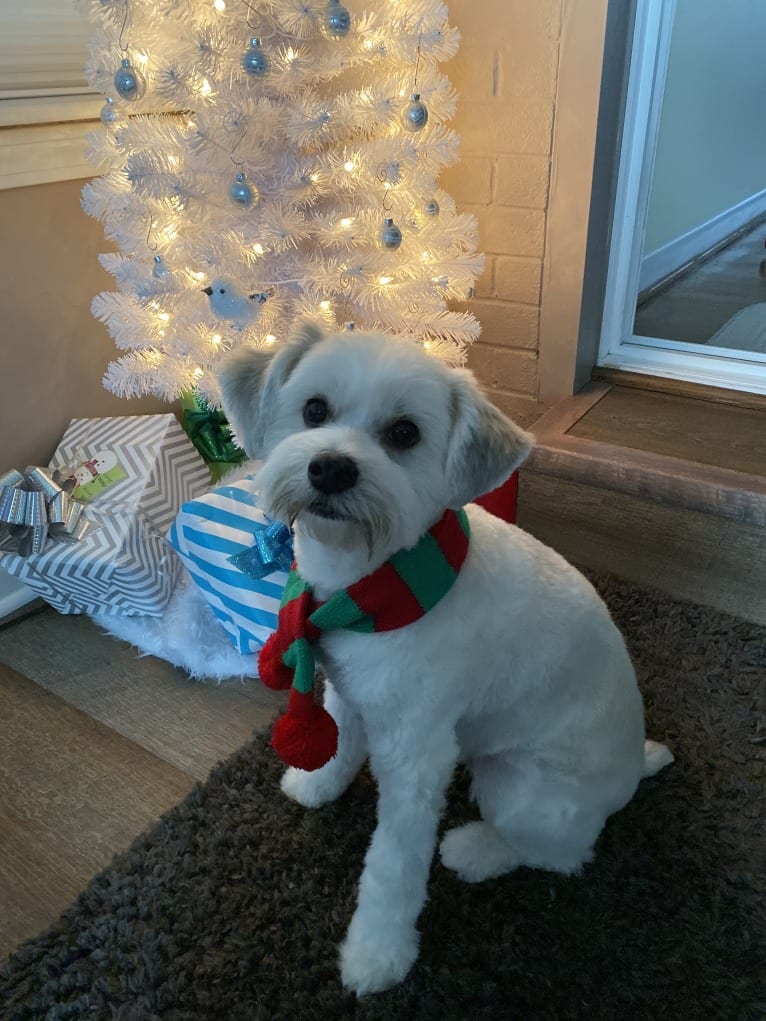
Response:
column 264, row 161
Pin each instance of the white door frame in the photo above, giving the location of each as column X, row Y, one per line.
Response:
column 619, row 347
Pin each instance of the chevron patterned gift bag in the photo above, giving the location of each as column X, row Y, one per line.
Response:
column 134, row 472
column 244, row 592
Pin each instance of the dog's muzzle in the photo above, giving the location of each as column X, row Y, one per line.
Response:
column 331, row 472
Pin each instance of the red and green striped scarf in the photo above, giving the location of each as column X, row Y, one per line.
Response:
column 398, row 593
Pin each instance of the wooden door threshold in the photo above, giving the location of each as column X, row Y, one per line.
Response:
column 595, row 490
column 675, row 481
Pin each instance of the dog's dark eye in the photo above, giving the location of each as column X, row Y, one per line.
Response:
column 315, row 412
column 403, row 434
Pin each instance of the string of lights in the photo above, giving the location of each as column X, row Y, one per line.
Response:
column 265, row 160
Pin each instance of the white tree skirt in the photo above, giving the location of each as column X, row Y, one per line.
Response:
column 186, row 635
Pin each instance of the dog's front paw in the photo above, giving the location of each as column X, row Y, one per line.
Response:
column 312, row 790
column 374, row 960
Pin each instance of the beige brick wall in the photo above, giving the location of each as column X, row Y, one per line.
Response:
column 505, row 75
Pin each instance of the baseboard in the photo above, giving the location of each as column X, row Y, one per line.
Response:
column 13, row 594
column 667, row 261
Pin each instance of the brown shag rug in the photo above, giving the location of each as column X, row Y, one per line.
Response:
column 231, row 907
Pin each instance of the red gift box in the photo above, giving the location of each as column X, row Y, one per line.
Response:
column 502, row 501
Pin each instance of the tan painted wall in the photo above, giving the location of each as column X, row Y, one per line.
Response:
column 53, row 352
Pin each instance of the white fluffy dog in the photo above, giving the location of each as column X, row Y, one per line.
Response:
column 518, row 672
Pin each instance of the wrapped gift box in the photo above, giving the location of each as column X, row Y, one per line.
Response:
column 206, row 533
column 135, row 472
column 502, row 502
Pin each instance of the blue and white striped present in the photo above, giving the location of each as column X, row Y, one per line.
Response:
column 207, row 533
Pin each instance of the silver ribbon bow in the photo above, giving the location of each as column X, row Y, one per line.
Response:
column 35, row 506
column 273, row 551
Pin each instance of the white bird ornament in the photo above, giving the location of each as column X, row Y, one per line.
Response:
column 229, row 302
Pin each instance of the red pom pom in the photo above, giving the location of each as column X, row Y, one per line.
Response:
column 271, row 670
column 306, row 736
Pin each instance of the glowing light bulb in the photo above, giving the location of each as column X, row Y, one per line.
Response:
column 346, row 221
column 220, row 5
column 258, row 248
column 164, row 317
column 368, row 44
column 314, row 178
column 198, row 276
column 325, row 306
column 198, row 372
column 207, row 88
column 173, row 161
column 216, row 339
column 385, row 280
column 270, row 338
column 427, row 344
column 349, row 166
column 141, row 58
column 291, row 55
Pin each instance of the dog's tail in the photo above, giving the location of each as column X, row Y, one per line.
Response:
column 656, row 756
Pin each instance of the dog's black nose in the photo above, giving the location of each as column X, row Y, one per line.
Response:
column 330, row 472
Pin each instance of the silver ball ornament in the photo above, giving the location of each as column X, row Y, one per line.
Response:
column 110, row 114
column 415, row 116
column 242, row 193
column 431, row 208
column 337, row 21
column 255, row 62
column 390, row 236
column 129, row 82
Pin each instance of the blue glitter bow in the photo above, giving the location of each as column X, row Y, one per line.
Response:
column 273, row 551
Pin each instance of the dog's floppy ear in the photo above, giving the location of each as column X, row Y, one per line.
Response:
column 485, row 446
column 250, row 380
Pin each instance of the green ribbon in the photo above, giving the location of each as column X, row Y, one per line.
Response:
column 211, row 435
